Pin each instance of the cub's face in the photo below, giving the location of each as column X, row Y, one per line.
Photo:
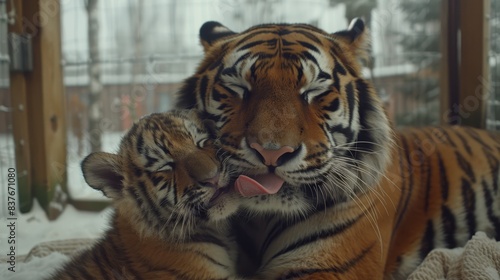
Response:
column 167, row 174
column 294, row 114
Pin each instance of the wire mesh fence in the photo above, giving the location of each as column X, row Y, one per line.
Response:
column 7, row 160
column 493, row 109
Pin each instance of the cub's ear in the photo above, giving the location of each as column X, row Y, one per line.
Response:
column 212, row 31
column 355, row 37
column 102, row 172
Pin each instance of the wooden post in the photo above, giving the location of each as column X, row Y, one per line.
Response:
column 474, row 78
column 449, row 72
column 45, row 105
column 20, row 121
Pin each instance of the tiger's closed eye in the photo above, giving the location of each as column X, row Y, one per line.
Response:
column 203, row 142
column 166, row 167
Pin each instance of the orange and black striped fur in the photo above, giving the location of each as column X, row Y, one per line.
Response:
column 359, row 200
column 168, row 189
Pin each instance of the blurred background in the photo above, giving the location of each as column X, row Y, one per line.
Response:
column 90, row 68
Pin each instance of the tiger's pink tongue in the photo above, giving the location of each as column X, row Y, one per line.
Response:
column 259, row 184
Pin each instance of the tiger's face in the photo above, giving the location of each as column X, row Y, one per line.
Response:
column 166, row 177
column 294, row 114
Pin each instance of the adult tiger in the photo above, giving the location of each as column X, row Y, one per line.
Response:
column 169, row 191
column 334, row 192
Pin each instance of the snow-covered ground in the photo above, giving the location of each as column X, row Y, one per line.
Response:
column 33, row 228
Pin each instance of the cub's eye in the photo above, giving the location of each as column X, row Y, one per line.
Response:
column 166, row 167
column 203, row 142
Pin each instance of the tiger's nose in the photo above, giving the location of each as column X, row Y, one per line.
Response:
column 272, row 157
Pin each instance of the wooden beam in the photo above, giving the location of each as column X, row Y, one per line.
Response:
column 474, row 78
column 449, row 77
column 20, row 121
column 45, row 105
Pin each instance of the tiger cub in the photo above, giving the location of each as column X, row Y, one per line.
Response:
column 171, row 202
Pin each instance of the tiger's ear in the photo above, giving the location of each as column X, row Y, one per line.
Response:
column 102, row 172
column 355, row 37
column 212, row 31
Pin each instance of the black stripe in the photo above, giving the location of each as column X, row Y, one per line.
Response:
column 309, row 46
column 443, row 177
column 217, row 96
column 101, row 265
column 187, row 94
column 310, row 36
column 465, row 166
column 217, row 63
column 174, row 191
column 251, row 44
column 427, row 243
column 219, row 71
column 150, row 161
column 337, row 69
column 478, row 139
column 203, row 87
column 165, row 202
column 300, row 74
column 121, row 255
column 301, row 273
column 349, row 135
column 469, row 202
column 337, row 52
column 449, row 226
column 207, row 238
column 428, row 185
column 495, row 221
column 402, row 188
column 246, row 244
column 140, row 143
column 323, row 234
column 232, row 92
column 161, row 143
column 210, row 259
column 104, row 255
column 251, row 36
column 156, row 179
column 404, row 185
column 365, row 110
column 333, row 106
column 152, row 206
column 230, row 71
column 494, row 164
column 195, row 252
column 243, row 57
column 82, row 270
column 429, row 137
column 163, row 186
column 136, row 197
column 309, row 56
column 349, row 90
column 465, row 143
column 448, row 138
column 276, row 231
